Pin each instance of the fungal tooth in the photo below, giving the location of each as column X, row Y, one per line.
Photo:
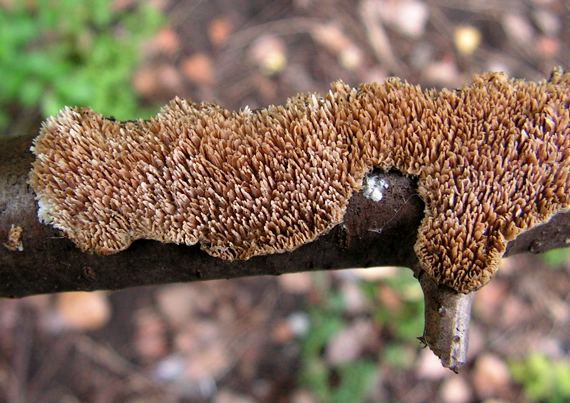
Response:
column 259, row 182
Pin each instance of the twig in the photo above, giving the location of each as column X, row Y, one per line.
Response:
column 447, row 317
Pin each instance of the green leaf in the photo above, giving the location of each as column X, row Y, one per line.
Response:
column 398, row 355
column 556, row 258
column 542, row 379
column 31, row 92
column 355, row 382
column 73, row 52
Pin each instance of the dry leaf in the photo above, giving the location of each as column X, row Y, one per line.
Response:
column 429, row 367
column 443, row 73
column 303, row 396
column 389, row 299
column 145, row 82
column 156, row 81
column 547, row 21
column 150, row 335
column 331, row 37
column 219, row 30
column 269, row 54
column 547, row 47
column 455, row 389
column 490, row 376
column 282, row 332
column 198, row 69
column 376, row 273
column 518, row 28
column 353, row 297
column 296, row 283
column 83, row 310
column 176, row 302
column 467, row 39
column 226, row 396
column 167, row 41
column 489, row 299
column 347, row 345
column 409, row 17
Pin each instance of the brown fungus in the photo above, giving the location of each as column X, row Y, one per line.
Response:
column 492, row 160
column 15, row 243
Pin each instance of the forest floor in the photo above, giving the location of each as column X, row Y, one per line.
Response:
column 322, row 337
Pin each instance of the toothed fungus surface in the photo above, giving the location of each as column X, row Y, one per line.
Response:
column 492, row 160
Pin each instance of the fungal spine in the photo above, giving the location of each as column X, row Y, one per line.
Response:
column 492, row 160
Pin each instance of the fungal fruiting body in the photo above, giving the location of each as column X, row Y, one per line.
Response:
column 492, row 160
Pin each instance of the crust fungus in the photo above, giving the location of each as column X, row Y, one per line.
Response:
column 15, row 243
column 492, row 160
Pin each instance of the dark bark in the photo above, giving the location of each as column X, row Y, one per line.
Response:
column 373, row 234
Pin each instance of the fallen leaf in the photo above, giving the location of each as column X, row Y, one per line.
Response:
column 282, row 332
column 303, row 396
column 348, row 344
column 442, row 73
column 269, row 54
column 150, row 337
column 489, row 299
column 227, row 396
column 490, row 376
column 219, row 30
column 198, row 69
column 167, row 41
column 467, row 39
column 455, row 389
column 547, row 47
column 83, row 310
column 409, row 17
column 376, row 273
column 547, row 21
column 296, row 283
column 331, row 37
column 518, row 28
column 145, row 82
column 429, row 367
column 176, row 302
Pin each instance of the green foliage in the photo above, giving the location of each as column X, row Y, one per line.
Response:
column 556, row 258
column 351, row 382
column 354, row 378
column 407, row 322
column 355, row 381
column 399, row 355
column 543, row 380
column 71, row 52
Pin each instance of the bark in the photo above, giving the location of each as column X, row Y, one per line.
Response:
column 372, row 234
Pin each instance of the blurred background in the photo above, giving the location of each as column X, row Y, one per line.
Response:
column 346, row 336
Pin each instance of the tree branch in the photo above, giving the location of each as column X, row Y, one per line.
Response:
column 372, row 234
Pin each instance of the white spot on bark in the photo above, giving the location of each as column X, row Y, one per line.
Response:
column 373, row 187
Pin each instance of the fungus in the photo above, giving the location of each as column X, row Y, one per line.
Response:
column 15, row 243
column 492, row 161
